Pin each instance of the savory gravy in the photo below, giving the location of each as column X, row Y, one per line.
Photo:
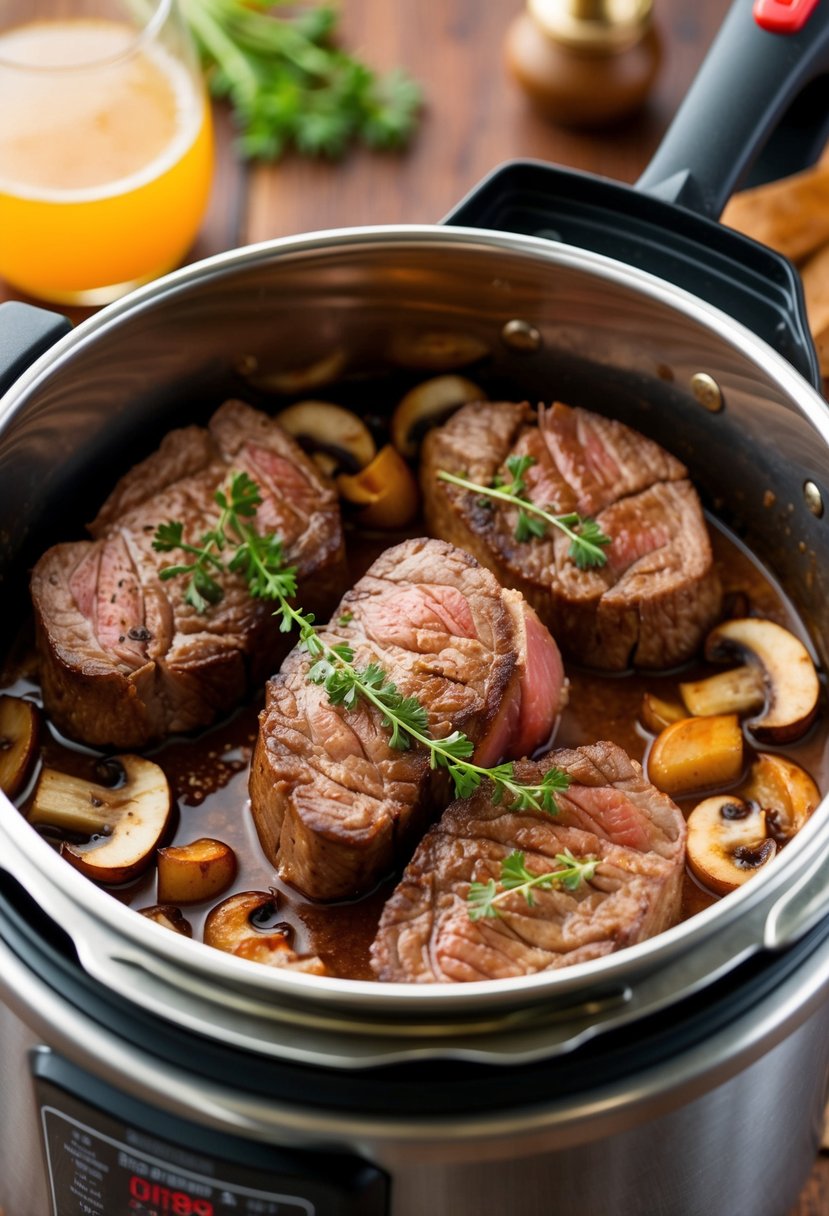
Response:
column 208, row 774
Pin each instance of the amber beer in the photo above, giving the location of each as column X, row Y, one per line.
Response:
column 105, row 156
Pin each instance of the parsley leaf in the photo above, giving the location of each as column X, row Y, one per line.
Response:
column 289, row 85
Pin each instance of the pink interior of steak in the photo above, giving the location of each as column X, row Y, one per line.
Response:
column 530, row 709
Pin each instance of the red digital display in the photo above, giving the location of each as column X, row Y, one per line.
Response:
column 165, row 1199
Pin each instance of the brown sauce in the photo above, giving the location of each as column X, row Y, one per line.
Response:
column 208, row 774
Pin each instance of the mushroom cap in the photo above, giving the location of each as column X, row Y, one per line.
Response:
column 791, row 682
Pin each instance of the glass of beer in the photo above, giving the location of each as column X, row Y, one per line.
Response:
column 106, row 151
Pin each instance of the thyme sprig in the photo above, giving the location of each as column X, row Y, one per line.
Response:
column 260, row 560
column 483, row 897
column 587, row 540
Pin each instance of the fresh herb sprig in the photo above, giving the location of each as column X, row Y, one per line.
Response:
column 260, row 560
column 587, row 540
column 289, row 85
column 483, row 897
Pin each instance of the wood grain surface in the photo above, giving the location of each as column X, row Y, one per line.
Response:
column 475, row 117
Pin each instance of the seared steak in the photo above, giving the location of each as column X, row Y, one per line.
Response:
column 658, row 594
column 125, row 660
column 610, row 812
column 335, row 806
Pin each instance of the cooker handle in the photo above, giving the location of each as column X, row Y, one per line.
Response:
column 26, row 333
column 752, row 81
column 741, row 94
column 801, row 906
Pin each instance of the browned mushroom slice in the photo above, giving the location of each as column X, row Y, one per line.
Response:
column 738, row 691
column 789, row 677
column 323, row 427
column 123, row 824
column 728, row 842
column 245, row 925
column 19, row 737
column 168, row 917
column 297, row 379
column 697, row 754
column 436, row 350
column 385, row 490
column 191, row 873
column 784, row 790
column 425, row 406
column 657, row 713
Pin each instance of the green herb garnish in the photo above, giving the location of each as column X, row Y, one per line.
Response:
column 484, row 896
column 260, row 560
column 587, row 541
column 290, row 85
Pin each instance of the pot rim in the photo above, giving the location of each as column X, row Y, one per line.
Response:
column 100, row 925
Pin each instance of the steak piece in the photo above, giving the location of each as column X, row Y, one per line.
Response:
column 336, row 807
column 125, row 661
column 610, row 812
column 659, row 593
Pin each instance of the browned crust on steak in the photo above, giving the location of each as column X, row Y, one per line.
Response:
column 337, row 808
column 610, row 812
column 648, row 609
column 172, row 669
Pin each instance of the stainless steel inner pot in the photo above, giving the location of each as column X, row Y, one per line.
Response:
column 657, row 1141
column 608, row 337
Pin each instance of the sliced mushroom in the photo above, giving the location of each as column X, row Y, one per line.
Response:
column 169, row 918
column 322, row 426
column 789, row 677
column 657, row 713
column 426, row 405
column 326, row 463
column 19, row 738
column 738, row 691
column 299, row 379
column 728, row 842
column 436, row 350
column 696, row 754
column 386, row 490
column 191, row 873
column 245, row 925
column 784, row 790
column 272, row 951
column 123, row 825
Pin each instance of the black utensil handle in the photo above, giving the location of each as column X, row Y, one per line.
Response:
column 746, row 88
column 26, row 333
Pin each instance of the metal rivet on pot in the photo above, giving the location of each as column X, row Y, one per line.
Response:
column 707, row 392
column 521, row 335
column 813, row 498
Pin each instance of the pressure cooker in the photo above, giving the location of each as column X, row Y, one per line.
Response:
column 686, row 1075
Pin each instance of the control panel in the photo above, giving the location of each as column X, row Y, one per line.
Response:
column 98, row 1164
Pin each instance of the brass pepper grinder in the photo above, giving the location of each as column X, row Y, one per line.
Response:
column 584, row 63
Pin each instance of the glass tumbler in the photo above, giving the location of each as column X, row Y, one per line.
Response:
column 106, row 153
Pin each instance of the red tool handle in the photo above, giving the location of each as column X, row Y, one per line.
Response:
column 783, row 16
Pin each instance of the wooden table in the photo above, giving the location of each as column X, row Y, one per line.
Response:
column 475, row 118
